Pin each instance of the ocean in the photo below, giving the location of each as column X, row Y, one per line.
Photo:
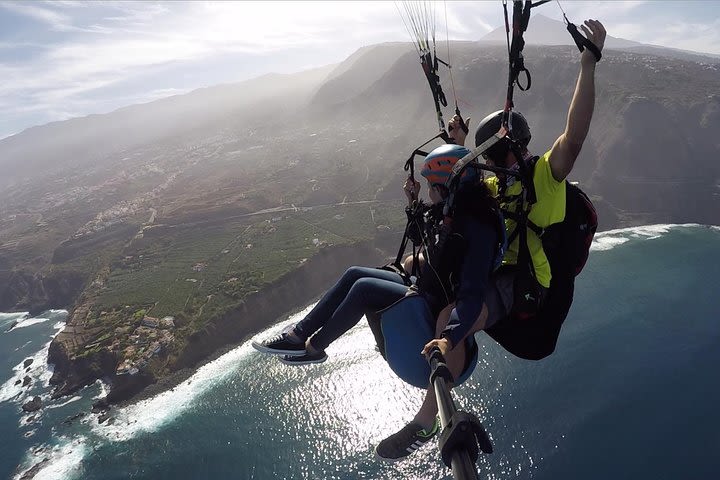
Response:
column 629, row 393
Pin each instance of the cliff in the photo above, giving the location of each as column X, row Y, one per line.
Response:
column 36, row 292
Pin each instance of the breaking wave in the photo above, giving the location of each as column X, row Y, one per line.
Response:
column 609, row 239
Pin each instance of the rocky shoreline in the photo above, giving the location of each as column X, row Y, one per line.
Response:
column 289, row 294
column 177, row 377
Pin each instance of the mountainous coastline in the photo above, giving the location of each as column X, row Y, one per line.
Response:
column 195, row 206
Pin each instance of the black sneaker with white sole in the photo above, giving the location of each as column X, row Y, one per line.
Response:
column 401, row 444
column 280, row 344
column 308, row 358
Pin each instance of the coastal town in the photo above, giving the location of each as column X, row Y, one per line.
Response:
column 147, row 341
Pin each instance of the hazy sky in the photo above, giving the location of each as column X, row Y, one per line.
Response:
column 69, row 58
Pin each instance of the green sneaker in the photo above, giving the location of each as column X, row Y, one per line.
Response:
column 401, row 444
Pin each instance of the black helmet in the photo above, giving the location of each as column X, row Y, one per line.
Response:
column 490, row 125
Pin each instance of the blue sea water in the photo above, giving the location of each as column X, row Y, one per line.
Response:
column 631, row 392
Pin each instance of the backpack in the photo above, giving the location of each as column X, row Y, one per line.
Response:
column 566, row 245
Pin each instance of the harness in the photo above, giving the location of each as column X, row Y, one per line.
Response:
column 429, row 230
column 527, row 292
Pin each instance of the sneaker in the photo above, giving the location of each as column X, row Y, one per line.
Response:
column 280, row 344
column 401, row 444
column 308, row 358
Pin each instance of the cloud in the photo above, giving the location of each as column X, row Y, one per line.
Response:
column 690, row 36
column 472, row 20
column 95, row 47
column 577, row 12
column 38, row 13
column 102, row 47
column 58, row 21
column 138, row 14
column 676, row 33
column 137, row 36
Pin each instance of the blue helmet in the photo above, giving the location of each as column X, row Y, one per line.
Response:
column 440, row 162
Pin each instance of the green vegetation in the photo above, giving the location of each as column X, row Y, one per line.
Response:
column 203, row 271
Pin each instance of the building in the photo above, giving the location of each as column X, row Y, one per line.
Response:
column 150, row 322
column 167, row 322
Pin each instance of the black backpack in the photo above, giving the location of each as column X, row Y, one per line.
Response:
column 567, row 246
column 567, row 243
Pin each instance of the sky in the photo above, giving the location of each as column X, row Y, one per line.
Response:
column 65, row 59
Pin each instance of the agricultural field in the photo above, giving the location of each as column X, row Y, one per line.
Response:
column 202, row 271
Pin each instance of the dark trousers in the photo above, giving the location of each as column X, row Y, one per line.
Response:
column 360, row 291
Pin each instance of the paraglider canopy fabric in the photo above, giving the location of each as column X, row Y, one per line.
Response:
column 407, row 326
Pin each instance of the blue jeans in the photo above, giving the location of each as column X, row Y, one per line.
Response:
column 360, row 291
